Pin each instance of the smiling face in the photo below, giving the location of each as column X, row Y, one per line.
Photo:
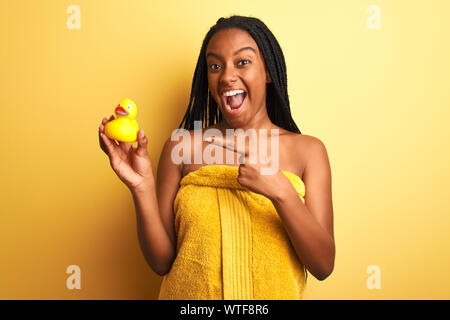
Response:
column 234, row 62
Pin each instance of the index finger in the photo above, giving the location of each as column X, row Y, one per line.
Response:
column 109, row 144
column 229, row 144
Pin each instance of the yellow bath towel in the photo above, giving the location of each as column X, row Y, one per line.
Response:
column 231, row 243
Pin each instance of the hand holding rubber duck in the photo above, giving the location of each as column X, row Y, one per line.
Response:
column 131, row 164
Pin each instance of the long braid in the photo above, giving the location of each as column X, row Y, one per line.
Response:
column 202, row 105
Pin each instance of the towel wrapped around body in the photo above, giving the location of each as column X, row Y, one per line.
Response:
column 231, row 243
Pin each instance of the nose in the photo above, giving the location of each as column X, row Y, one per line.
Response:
column 228, row 75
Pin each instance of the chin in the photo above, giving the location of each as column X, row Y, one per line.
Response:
column 236, row 123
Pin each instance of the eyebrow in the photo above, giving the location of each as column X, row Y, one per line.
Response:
column 235, row 53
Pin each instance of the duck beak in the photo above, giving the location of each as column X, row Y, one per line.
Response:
column 121, row 111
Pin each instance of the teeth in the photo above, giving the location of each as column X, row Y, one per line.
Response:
column 232, row 93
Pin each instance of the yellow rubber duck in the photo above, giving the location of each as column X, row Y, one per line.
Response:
column 124, row 128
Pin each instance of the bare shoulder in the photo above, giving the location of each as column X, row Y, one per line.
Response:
column 311, row 143
column 313, row 147
column 167, row 167
column 317, row 164
column 303, row 150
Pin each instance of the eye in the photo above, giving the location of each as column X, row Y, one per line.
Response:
column 248, row 61
column 129, row 107
column 213, row 64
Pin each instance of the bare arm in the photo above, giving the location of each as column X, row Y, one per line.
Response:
column 310, row 224
column 156, row 245
column 154, row 214
column 154, row 211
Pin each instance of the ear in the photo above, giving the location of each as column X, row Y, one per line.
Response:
column 268, row 79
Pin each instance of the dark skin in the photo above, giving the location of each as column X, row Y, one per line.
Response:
column 309, row 225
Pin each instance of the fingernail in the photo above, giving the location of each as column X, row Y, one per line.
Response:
column 143, row 133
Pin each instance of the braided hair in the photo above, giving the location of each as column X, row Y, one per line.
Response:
column 203, row 107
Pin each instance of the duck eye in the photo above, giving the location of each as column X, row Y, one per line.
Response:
column 129, row 107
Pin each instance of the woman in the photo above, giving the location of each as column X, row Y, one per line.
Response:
column 227, row 231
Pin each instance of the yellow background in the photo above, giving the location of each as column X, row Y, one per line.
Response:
column 378, row 99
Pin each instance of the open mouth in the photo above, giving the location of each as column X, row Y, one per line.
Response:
column 121, row 111
column 233, row 104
